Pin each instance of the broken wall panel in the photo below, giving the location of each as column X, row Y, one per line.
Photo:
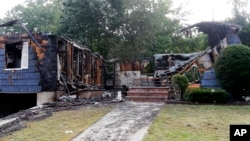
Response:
column 88, row 67
column 30, row 66
column 17, row 79
column 98, row 78
column 69, row 60
column 97, row 62
column 129, row 65
column 80, row 63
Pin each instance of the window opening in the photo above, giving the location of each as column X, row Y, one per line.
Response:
column 16, row 55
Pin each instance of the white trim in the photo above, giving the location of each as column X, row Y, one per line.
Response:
column 25, row 56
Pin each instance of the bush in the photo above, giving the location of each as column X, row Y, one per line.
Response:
column 232, row 69
column 192, row 75
column 181, row 81
column 205, row 95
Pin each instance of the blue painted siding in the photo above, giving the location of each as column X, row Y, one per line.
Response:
column 31, row 63
column 209, row 80
column 210, row 83
column 31, row 69
column 2, row 51
column 20, row 80
column 209, row 75
column 233, row 39
column 20, row 89
column 21, row 76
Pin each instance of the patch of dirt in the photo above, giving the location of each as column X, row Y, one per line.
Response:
column 129, row 121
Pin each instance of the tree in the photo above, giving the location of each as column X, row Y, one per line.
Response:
column 120, row 28
column 232, row 68
column 242, row 18
column 40, row 15
column 88, row 22
column 188, row 45
column 114, row 28
column 182, row 82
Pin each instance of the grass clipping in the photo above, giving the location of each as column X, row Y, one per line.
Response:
column 62, row 126
column 196, row 122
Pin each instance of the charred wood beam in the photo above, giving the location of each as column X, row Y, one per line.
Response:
column 31, row 36
column 12, row 23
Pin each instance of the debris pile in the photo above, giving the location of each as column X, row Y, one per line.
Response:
column 17, row 120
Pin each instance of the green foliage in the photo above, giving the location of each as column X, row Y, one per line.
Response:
column 149, row 68
column 205, row 95
column 114, row 28
column 241, row 17
column 244, row 35
column 192, row 75
column 181, row 81
column 188, row 45
column 232, row 68
column 121, row 28
column 40, row 15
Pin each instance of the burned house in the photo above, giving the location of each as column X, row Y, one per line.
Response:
column 46, row 65
column 220, row 35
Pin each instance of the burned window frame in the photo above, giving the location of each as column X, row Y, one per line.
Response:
column 22, row 54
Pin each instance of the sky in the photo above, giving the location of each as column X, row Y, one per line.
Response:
column 200, row 10
column 206, row 10
column 6, row 5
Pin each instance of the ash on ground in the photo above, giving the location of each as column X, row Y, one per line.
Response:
column 18, row 120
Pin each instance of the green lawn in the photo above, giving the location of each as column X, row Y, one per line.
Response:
column 62, row 126
column 196, row 122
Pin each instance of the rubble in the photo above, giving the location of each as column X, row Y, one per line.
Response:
column 17, row 120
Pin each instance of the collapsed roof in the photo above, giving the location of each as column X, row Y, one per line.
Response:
column 216, row 31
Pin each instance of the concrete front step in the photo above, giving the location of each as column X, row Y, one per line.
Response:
column 148, row 94
column 147, row 98
column 149, row 89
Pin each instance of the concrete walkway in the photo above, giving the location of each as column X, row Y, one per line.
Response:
column 128, row 122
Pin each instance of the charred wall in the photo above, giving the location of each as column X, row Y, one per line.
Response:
column 79, row 64
column 47, row 66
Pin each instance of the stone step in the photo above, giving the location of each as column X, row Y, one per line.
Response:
column 147, row 94
column 147, row 98
column 149, row 89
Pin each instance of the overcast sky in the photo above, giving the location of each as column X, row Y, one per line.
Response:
column 6, row 5
column 206, row 10
column 201, row 10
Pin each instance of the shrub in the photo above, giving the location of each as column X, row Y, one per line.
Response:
column 205, row 95
column 232, row 68
column 192, row 75
column 181, row 81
